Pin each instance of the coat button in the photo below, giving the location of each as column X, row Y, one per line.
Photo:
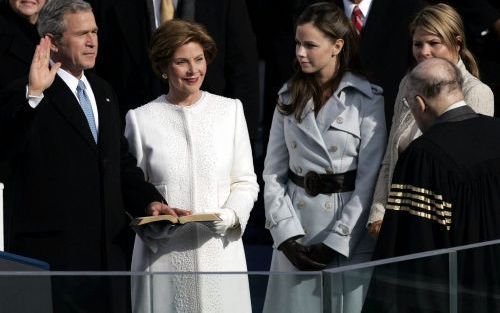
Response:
column 301, row 204
column 339, row 120
column 294, row 144
column 333, row 148
column 299, row 170
column 328, row 205
column 268, row 224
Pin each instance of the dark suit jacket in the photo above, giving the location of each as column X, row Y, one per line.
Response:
column 64, row 194
column 18, row 40
column 124, row 36
column 386, row 53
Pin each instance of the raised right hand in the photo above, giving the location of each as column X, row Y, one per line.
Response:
column 41, row 75
column 299, row 256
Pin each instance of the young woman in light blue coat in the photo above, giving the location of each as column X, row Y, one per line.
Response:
column 325, row 148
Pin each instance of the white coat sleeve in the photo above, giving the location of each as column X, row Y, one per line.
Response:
column 133, row 135
column 243, row 185
column 349, row 228
column 281, row 219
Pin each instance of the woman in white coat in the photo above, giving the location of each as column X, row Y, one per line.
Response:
column 326, row 143
column 194, row 147
column 437, row 31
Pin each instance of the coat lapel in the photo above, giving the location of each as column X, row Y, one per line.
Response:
column 310, row 127
column 67, row 105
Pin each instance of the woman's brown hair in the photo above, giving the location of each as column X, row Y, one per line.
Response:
column 331, row 21
column 173, row 34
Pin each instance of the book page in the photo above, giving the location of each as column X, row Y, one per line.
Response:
column 203, row 217
column 150, row 219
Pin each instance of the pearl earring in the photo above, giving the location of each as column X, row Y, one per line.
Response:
column 164, row 76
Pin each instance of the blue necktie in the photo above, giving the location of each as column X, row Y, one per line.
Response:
column 86, row 107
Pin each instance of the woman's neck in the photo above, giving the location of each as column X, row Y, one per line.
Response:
column 183, row 99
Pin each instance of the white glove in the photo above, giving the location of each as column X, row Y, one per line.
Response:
column 228, row 220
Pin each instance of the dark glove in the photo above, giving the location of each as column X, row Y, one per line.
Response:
column 321, row 253
column 298, row 255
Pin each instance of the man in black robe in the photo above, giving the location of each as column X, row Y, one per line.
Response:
column 445, row 192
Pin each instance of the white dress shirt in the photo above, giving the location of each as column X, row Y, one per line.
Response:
column 72, row 82
column 364, row 6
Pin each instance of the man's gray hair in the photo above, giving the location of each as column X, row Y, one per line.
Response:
column 429, row 84
column 51, row 17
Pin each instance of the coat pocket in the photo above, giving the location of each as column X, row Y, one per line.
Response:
column 350, row 127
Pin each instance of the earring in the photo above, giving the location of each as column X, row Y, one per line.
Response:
column 164, row 76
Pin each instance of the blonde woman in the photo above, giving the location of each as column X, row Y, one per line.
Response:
column 437, row 31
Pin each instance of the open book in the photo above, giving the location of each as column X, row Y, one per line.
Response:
column 203, row 217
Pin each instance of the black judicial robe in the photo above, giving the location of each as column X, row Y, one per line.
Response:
column 445, row 192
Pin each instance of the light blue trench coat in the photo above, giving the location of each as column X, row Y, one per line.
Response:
column 349, row 133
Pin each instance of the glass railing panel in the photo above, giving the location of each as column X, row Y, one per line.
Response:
column 95, row 292
column 457, row 280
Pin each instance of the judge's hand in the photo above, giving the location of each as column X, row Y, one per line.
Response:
column 228, row 220
column 41, row 75
column 321, row 253
column 374, row 228
column 299, row 256
column 157, row 208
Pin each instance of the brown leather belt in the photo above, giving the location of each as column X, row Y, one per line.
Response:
column 314, row 183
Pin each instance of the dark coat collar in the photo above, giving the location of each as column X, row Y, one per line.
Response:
column 457, row 114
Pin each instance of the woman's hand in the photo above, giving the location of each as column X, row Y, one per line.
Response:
column 158, row 208
column 321, row 253
column 298, row 255
column 374, row 228
column 228, row 220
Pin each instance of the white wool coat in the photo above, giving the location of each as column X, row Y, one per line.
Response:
column 199, row 158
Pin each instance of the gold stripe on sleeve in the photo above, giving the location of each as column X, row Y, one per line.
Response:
column 420, row 202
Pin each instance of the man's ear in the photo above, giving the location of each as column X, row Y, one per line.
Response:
column 53, row 43
column 421, row 103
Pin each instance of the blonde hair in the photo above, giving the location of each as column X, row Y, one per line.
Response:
column 443, row 21
column 172, row 35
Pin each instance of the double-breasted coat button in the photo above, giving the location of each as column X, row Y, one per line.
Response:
column 333, row 148
column 328, row 205
column 301, row 204
column 268, row 224
column 299, row 170
column 294, row 144
column 339, row 120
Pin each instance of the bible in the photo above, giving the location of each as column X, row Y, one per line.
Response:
column 202, row 217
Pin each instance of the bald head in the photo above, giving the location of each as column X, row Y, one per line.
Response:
column 433, row 86
column 437, row 78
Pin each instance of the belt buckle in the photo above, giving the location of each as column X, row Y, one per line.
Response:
column 312, row 182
